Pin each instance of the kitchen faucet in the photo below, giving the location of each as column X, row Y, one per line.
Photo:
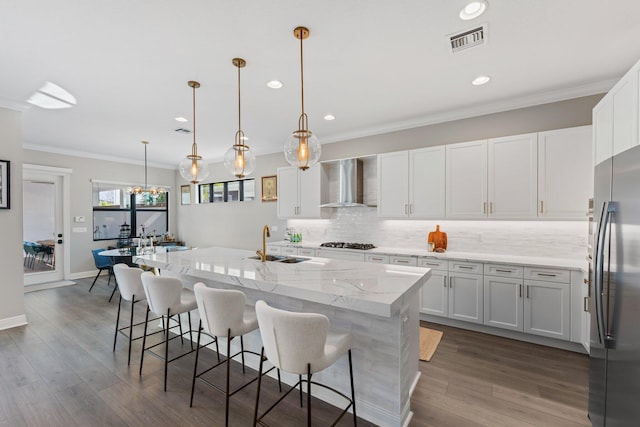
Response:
column 263, row 253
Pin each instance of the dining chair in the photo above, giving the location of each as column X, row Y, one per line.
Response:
column 301, row 344
column 102, row 263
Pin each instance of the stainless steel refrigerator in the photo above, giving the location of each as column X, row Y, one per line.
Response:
column 614, row 372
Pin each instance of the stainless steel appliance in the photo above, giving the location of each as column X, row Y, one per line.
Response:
column 614, row 372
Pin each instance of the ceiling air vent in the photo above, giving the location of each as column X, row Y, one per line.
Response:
column 469, row 38
column 182, row 130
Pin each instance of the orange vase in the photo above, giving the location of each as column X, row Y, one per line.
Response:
column 439, row 239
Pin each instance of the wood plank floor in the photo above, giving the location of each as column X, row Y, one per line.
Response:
column 60, row 371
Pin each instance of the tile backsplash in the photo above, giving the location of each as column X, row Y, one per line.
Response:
column 563, row 239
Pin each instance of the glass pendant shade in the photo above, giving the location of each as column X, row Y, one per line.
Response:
column 194, row 170
column 302, row 149
column 240, row 160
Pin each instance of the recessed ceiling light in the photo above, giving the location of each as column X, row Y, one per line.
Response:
column 181, row 119
column 274, row 84
column 329, row 117
column 473, row 10
column 480, row 80
column 52, row 96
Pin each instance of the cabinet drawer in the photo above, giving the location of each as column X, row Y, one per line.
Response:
column 344, row 254
column 380, row 259
column 504, row 270
column 404, row 260
column 289, row 250
column 275, row 250
column 466, row 267
column 307, row 251
column 434, row 264
column 547, row 274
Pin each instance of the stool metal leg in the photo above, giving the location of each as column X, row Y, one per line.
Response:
column 166, row 348
column 308, row 394
column 144, row 338
column 195, row 365
column 226, row 409
column 117, row 323
column 353, row 392
column 255, row 413
column 133, row 301
column 241, row 352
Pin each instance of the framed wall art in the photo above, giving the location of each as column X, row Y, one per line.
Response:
column 270, row 188
column 5, row 184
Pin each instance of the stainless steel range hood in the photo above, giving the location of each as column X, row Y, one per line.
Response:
column 349, row 185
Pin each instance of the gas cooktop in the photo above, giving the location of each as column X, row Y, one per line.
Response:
column 345, row 245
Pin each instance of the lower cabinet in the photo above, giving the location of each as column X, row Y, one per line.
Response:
column 434, row 295
column 503, row 306
column 547, row 309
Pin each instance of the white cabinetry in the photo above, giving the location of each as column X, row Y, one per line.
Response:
column 411, row 183
column 410, row 261
column 434, row 295
column 466, row 291
column 565, row 173
column 503, row 296
column 466, row 180
column 300, row 192
column 340, row 254
column 377, row 259
column 547, row 302
column 615, row 118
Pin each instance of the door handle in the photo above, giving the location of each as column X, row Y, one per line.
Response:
column 444, row 281
column 450, row 281
column 484, row 207
column 490, row 207
column 527, row 291
column 541, row 206
column 608, row 209
column 585, row 304
column 520, row 286
column 59, row 241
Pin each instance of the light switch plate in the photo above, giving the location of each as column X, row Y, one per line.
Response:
column 78, row 218
column 79, row 229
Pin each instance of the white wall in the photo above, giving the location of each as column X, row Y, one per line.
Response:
column 12, row 282
column 83, row 171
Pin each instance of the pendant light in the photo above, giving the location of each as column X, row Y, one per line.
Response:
column 239, row 159
column 153, row 191
column 303, row 148
column 192, row 167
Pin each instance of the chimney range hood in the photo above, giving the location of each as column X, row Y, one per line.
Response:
column 349, row 184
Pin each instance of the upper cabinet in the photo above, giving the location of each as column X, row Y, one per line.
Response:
column 411, row 183
column 565, row 173
column 300, row 192
column 615, row 118
column 493, row 178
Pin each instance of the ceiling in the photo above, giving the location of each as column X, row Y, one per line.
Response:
column 376, row 65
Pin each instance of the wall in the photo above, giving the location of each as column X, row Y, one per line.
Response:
column 12, row 283
column 83, row 171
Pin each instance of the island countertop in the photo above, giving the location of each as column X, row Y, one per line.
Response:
column 377, row 289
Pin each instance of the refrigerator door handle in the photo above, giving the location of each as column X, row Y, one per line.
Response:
column 610, row 340
column 598, row 274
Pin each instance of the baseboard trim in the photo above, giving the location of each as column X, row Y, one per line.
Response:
column 12, row 322
column 83, row 274
column 49, row 285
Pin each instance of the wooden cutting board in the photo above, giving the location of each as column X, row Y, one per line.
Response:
column 438, row 238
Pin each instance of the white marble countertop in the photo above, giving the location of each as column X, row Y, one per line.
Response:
column 378, row 289
column 569, row 263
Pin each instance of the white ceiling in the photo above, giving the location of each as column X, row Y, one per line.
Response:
column 377, row 65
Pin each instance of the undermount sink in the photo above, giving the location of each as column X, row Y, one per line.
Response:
column 282, row 258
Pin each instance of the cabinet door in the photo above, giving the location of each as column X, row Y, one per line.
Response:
column 565, row 173
column 625, row 113
column 546, row 309
column 393, row 184
column 603, row 130
column 287, row 192
column 465, row 297
column 426, row 182
column 309, row 192
column 503, row 303
column 466, row 182
column 434, row 295
column 512, row 173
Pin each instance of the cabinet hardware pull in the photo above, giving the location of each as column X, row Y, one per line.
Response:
column 585, row 304
column 527, row 291
column 541, row 206
column 410, row 208
column 465, row 266
column 376, row 259
column 520, row 286
column 403, row 261
column 504, row 271
column 444, row 280
column 450, row 281
column 490, row 207
column 432, row 263
column 484, row 207
column 546, row 274
column 406, row 210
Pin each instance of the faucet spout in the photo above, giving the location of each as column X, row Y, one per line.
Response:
column 263, row 253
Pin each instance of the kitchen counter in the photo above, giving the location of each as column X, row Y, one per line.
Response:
column 377, row 303
column 538, row 261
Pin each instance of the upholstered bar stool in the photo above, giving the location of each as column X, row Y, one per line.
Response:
column 301, row 343
column 223, row 314
column 131, row 290
column 166, row 297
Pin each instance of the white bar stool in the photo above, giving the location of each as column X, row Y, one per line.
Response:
column 301, row 343
column 223, row 313
column 166, row 296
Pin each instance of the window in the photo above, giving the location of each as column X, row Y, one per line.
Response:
column 229, row 191
column 114, row 207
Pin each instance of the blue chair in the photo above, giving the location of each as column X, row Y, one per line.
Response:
column 32, row 250
column 102, row 263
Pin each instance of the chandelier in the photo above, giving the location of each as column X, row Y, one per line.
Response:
column 153, row 191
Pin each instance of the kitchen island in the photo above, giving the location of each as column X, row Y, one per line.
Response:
column 378, row 304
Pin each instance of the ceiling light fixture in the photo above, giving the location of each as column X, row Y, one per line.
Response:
column 473, row 10
column 51, row 97
column 303, row 148
column 329, row 117
column 193, row 168
column 239, row 159
column 181, row 119
column 274, row 84
column 153, row 191
column 480, row 80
